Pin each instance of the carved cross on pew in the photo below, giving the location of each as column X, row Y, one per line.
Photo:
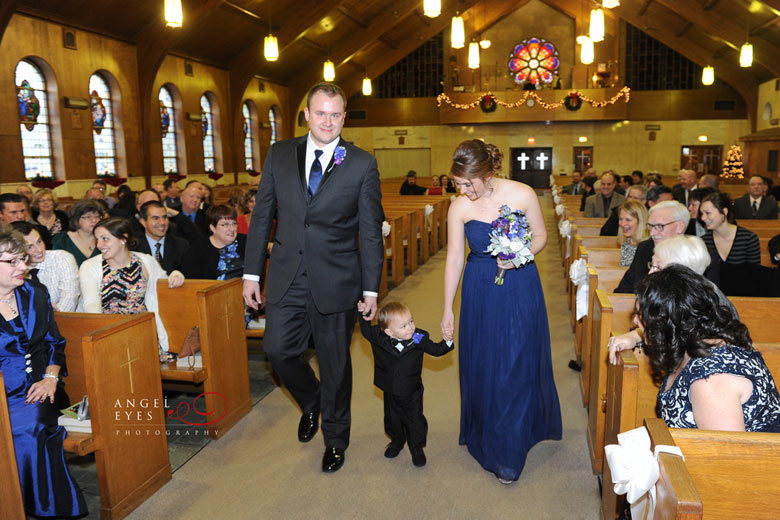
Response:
column 229, row 311
column 129, row 365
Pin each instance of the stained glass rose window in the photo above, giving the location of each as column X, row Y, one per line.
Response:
column 534, row 61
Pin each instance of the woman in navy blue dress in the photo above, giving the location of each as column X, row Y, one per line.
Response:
column 32, row 360
column 508, row 397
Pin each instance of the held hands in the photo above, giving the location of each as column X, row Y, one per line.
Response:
column 626, row 341
column 447, row 325
column 42, row 390
column 175, row 279
column 367, row 307
column 252, row 294
column 504, row 264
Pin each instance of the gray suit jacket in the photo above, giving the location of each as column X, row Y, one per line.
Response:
column 337, row 234
column 767, row 210
column 594, row 205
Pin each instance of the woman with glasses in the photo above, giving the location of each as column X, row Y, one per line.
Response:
column 79, row 241
column 726, row 241
column 32, row 359
column 121, row 281
column 56, row 270
column 45, row 212
column 221, row 255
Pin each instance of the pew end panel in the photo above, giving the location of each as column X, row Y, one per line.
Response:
column 11, row 505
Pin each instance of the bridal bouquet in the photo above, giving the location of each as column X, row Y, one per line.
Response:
column 510, row 239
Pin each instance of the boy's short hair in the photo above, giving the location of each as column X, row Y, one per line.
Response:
column 388, row 312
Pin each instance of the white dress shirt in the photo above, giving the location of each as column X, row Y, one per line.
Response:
column 327, row 154
column 153, row 243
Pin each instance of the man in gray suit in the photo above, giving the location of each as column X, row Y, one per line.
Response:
column 756, row 204
column 601, row 204
column 327, row 255
column 576, row 187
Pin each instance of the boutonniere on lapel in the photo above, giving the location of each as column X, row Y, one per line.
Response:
column 339, row 154
column 417, row 338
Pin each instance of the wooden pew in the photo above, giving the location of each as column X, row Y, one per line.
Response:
column 610, row 312
column 217, row 308
column 604, row 278
column 113, row 359
column 11, row 505
column 734, row 474
column 632, row 399
column 394, row 252
column 607, row 257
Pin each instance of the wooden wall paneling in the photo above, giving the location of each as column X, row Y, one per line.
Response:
column 7, row 9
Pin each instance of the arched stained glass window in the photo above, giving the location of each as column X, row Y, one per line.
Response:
column 168, row 130
column 272, row 119
column 34, row 120
column 103, row 136
column 207, row 120
column 249, row 156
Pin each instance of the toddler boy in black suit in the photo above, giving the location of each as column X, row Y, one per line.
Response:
column 398, row 355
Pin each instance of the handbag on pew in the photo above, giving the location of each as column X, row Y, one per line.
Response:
column 191, row 346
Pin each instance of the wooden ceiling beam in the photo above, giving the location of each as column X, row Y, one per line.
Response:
column 7, row 9
column 152, row 45
column 766, row 25
column 710, row 4
column 724, row 29
column 739, row 79
column 687, row 27
column 645, row 7
column 345, row 12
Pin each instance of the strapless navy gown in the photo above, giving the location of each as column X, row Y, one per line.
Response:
column 508, row 397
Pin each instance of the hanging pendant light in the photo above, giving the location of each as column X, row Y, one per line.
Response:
column 473, row 55
column 708, row 75
column 596, row 25
column 610, row 4
column 586, row 52
column 173, row 13
column 746, row 55
column 366, row 86
column 329, row 71
column 271, row 48
column 485, row 43
column 458, row 32
column 431, row 8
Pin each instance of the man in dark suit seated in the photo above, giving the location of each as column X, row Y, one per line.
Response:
column 666, row 220
column 190, row 207
column 410, row 186
column 576, row 187
column 166, row 248
column 756, row 204
column 601, row 204
column 172, row 192
column 687, row 184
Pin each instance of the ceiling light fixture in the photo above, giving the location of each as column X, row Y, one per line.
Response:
column 708, row 75
column 473, row 55
column 329, row 70
column 458, row 32
column 596, row 25
column 432, row 8
column 173, row 13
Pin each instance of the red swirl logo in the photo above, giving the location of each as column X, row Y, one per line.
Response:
column 184, row 408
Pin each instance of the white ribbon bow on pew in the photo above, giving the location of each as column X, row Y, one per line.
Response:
column 564, row 228
column 578, row 272
column 557, row 198
column 560, row 209
column 635, row 470
column 552, row 180
column 385, row 228
column 428, row 210
column 554, row 190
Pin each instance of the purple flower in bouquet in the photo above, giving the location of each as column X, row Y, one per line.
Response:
column 510, row 240
column 339, row 154
column 416, row 338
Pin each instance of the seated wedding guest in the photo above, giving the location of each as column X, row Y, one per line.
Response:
column 172, row 192
column 688, row 180
column 221, row 255
column 165, row 247
column 726, row 241
column 711, row 377
column 25, row 191
column 79, row 241
column 32, row 358
column 125, row 205
column 708, row 181
column 774, row 249
column 575, row 188
column 633, row 229
column 652, row 180
column 56, row 270
column 658, row 194
column 696, row 227
column 637, row 192
column 45, row 212
column 207, row 197
column 410, row 187
column 236, row 199
column 190, row 208
column 120, row 281
column 637, row 177
column 15, row 207
column 601, row 203
column 610, row 227
column 248, row 205
column 447, row 184
column 435, row 188
column 588, row 181
column 159, row 188
column 626, row 181
column 755, row 205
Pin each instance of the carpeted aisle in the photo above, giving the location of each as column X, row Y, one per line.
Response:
column 260, row 470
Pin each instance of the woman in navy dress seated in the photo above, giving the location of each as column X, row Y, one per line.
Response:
column 711, row 376
column 32, row 360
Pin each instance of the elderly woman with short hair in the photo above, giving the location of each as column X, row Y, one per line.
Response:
column 45, row 212
column 79, row 241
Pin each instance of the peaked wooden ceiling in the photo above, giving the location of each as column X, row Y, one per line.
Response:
column 368, row 36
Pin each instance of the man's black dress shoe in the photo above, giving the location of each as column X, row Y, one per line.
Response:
column 393, row 450
column 418, row 457
column 307, row 427
column 332, row 460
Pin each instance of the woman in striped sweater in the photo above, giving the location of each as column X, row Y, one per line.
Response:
column 733, row 244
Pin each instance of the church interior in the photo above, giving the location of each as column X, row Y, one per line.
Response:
column 137, row 92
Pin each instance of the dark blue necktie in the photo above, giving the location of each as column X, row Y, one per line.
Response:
column 315, row 174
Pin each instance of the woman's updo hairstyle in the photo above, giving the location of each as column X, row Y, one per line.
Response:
column 475, row 159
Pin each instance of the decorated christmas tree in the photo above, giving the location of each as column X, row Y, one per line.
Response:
column 732, row 166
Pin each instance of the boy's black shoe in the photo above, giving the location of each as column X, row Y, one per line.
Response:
column 418, row 457
column 393, row 450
